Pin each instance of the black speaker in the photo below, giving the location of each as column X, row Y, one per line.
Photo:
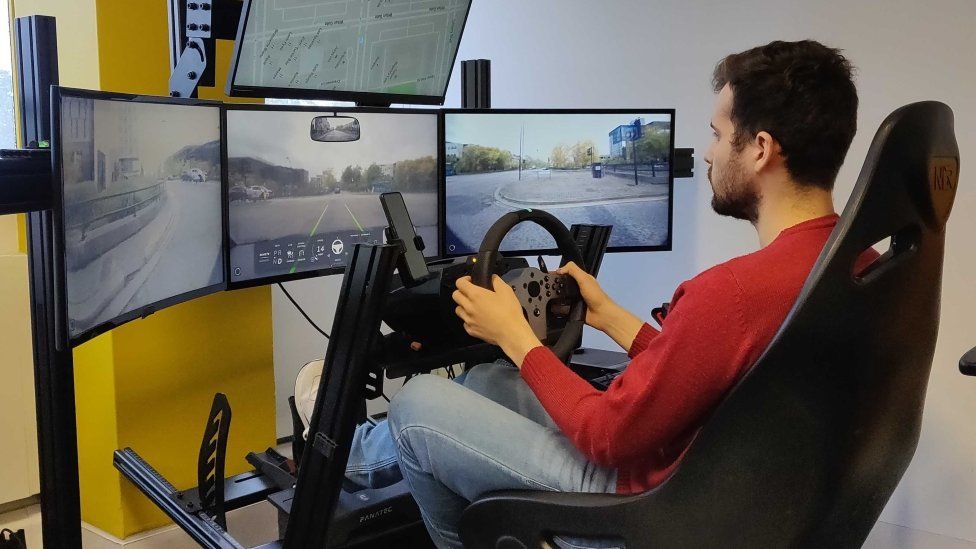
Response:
column 476, row 84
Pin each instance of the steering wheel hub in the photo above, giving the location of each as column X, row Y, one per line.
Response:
column 551, row 302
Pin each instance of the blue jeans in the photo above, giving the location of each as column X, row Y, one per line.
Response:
column 454, row 441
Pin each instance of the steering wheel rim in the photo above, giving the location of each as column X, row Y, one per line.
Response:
column 488, row 255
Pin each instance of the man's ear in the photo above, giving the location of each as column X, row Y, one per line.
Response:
column 766, row 149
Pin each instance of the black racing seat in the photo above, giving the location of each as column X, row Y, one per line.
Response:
column 807, row 448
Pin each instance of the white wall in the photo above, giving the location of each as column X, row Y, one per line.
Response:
column 640, row 53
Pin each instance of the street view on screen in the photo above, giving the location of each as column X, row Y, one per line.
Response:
column 305, row 186
column 377, row 46
column 610, row 169
column 142, row 207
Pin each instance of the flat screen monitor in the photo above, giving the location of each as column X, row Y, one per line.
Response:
column 305, row 185
column 604, row 167
column 369, row 51
column 141, row 224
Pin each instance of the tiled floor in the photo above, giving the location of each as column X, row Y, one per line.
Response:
column 257, row 524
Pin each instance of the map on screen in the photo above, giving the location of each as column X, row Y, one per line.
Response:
column 403, row 47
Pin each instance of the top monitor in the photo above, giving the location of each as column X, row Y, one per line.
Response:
column 602, row 167
column 369, row 51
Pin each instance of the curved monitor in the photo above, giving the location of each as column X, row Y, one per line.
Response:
column 305, row 185
column 603, row 167
column 141, row 216
column 368, row 51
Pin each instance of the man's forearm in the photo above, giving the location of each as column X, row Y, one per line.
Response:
column 622, row 326
column 518, row 343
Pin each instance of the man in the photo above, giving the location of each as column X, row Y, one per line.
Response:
column 784, row 119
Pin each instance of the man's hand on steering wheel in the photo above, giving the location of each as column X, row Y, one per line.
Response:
column 600, row 308
column 602, row 312
column 495, row 317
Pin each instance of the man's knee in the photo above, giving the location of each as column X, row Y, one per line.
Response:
column 419, row 398
column 487, row 375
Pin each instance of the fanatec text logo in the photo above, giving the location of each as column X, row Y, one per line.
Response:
column 375, row 514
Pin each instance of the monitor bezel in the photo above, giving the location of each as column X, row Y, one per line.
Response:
column 362, row 98
column 276, row 279
column 667, row 246
column 60, row 248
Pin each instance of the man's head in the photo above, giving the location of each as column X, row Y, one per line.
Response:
column 786, row 115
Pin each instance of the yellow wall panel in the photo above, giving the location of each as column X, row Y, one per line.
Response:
column 168, row 367
column 9, row 231
column 133, row 46
column 97, row 417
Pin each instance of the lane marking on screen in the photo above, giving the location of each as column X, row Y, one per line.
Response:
column 316, row 227
column 354, row 220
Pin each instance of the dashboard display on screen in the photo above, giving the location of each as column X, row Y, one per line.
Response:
column 348, row 49
column 305, row 186
column 594, row 167
column 141, row 205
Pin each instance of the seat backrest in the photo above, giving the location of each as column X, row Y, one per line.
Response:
column 808, row 447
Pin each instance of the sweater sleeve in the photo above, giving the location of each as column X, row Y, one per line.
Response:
column 644, row 337
column 681, row 374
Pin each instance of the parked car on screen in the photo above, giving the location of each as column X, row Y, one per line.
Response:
column 237, row 192
column 258, row 192
column 195, row 175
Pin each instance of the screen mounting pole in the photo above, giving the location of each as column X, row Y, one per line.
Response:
column 57, row 442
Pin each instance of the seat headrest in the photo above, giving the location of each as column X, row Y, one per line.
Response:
column 915, row 150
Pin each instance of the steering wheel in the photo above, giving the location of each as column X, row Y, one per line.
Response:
column 542, row 295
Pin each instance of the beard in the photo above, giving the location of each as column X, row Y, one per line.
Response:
column 732, row 195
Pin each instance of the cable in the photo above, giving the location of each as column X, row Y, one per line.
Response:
column 300, row 310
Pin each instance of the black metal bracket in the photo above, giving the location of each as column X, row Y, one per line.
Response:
column 198, row 525
column 340, row 396
column 684, row 163
column 194, row 28
column 25, row 180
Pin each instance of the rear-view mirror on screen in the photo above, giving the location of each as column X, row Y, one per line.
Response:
column 592, row 167
column 141, row 205
column 335, row 129
column 298, row 204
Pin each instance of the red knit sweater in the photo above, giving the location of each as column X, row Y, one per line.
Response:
column 718, row 324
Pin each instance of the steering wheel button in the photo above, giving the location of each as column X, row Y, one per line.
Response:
column 534, row 289
column 537, row 312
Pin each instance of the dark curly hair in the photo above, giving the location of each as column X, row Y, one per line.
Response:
column 801, row 93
